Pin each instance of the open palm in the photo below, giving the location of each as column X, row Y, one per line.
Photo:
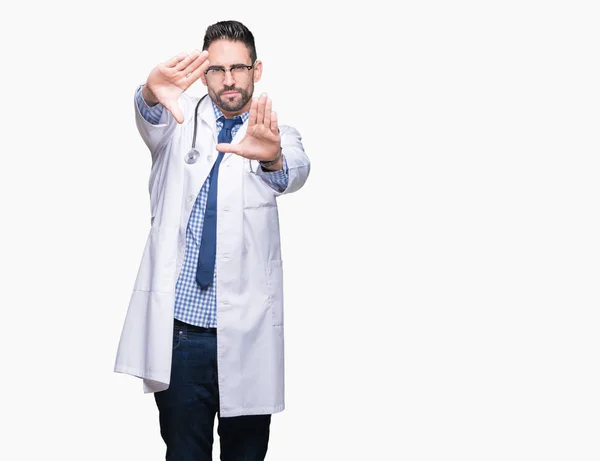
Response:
column 168, row 80
column 262, row 140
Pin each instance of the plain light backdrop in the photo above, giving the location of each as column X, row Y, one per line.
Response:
column 442, row 260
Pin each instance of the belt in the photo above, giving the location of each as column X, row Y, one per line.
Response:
column 190, row 327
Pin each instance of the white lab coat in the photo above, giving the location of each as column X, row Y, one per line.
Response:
column 249, row 282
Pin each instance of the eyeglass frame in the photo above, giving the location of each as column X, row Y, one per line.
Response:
column 225, row 69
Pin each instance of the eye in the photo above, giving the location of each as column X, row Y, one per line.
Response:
column 215, row 70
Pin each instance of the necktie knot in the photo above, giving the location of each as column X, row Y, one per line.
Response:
column 229, row 123
column 225, row 134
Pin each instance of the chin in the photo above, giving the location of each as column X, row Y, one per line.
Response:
column 230, row 107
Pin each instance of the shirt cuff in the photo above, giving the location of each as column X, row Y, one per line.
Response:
column 151, row 114
column 277, row 179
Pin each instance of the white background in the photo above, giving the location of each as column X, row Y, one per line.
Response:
column 442, row 261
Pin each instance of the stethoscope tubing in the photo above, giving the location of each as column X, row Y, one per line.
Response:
column 193, row 154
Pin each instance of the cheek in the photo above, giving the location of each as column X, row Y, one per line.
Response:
column 212, row 89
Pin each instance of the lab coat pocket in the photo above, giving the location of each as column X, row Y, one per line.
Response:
column 275, row 289
column 257, row 193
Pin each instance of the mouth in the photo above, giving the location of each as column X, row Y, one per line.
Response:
column 230, row 93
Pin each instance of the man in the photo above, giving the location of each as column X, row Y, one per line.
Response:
column 204, row 328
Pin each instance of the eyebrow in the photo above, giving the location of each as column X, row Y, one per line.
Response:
column 223, row 67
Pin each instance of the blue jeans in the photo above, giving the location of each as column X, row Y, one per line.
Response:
column 188, row 407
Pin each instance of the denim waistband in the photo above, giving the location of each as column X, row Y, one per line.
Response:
column 189, row 327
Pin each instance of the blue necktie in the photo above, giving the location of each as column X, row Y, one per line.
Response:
column 208, row 243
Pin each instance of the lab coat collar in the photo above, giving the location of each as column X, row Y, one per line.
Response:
column 207, row 114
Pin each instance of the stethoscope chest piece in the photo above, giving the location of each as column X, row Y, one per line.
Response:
column 192, row 156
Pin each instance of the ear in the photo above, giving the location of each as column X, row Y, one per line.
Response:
column 258, row 67
column 203, row 78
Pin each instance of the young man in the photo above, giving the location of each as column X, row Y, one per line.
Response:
column 204, row 328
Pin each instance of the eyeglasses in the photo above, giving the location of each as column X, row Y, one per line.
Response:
column 237, row 71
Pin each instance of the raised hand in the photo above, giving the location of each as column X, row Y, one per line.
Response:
column 262, row 140
column 168, row 80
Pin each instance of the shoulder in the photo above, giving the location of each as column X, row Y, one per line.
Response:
column 289, row 131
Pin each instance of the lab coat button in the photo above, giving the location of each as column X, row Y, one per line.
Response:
column 209, row 158
column 226, row 208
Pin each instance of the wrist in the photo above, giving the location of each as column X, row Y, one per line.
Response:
column 273, row 164
column 148, row 96
column 278, row 166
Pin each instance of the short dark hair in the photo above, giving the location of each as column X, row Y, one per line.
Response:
column 233, row 31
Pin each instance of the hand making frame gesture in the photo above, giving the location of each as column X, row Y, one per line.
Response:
column 168, row 80
column 262, row 140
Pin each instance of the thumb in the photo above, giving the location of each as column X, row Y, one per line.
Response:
column 175, row 112
column 226, row 147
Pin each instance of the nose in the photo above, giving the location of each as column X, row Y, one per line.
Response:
column 228, row 78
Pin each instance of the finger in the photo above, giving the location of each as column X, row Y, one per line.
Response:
column 175, row 59
column 226, row 147
column 175, row 112
column 267, row 119
column 252, row 116
column 195, row 75
column 274, row 124
column 260, row 110
column 197, row 61
column 181, row 65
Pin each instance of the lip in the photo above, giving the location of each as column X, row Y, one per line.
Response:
column 230, row 93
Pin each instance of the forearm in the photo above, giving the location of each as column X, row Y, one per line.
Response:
column 153, row 123
column 278, row 178
column 297, row 165
column 152, row 114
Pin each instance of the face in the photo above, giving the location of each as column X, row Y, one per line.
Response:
column 232, row 90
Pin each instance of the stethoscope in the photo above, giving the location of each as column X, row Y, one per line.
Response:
column 192, row 156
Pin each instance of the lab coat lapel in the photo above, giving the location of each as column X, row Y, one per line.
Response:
column 206, row 114
column 206, row 139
